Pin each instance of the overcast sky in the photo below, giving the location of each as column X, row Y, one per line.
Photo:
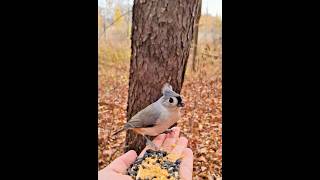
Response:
column 213, row 6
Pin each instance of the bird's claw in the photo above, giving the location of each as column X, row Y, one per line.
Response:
column 152, row 145
column 168, row 131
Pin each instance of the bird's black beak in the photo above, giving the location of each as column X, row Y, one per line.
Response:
column 180, row 104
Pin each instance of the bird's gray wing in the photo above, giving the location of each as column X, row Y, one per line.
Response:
column 145, row 118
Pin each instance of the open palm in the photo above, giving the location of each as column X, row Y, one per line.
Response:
column 171, row 143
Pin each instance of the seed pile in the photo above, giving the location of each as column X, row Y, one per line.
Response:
column 156, row 165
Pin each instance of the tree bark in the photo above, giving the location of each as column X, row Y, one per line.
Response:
column 195, row 37
column 162, row 32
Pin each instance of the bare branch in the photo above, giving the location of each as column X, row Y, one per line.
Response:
column 104, row 32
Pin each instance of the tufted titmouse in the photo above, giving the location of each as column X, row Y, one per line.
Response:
column 158, row 116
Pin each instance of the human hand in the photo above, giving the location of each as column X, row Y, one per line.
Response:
column 118, row 168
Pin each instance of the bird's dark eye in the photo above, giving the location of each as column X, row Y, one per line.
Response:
column 170, row 100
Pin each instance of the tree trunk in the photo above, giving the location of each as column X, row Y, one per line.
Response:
column 161, row 37
column 195, row 38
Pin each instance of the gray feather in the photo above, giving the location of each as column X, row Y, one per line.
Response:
column 167, row 91
column 145, row 118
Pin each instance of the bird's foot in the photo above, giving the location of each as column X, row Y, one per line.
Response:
column 168, row 131
column 152, row 145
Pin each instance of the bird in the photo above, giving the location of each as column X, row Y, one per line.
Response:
column 157, row 117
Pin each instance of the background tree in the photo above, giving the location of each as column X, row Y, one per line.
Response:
column 118, row 19
column 162, row 33
column 195, row 37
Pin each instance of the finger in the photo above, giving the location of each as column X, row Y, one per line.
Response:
column 171, row 139
column 186, row 166
column 122, row 163
column 157, row 141
column 181, row 146
column 106, row 174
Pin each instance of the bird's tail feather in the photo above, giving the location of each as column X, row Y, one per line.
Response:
column 126, row 127
column 118, row 131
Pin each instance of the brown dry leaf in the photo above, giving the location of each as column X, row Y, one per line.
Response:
column 203, row 150
column 203, row 168
column 210, row 177
column 202, row 158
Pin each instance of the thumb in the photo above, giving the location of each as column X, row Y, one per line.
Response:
column 122, row 163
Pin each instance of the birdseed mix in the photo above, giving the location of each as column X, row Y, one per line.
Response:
column 156, row 165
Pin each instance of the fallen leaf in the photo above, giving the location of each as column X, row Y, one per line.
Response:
column 201, row 158
column 203, row 150
column 203, row 168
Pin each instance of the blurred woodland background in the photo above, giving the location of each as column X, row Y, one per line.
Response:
column 201, row 120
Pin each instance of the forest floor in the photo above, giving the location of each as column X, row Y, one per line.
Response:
column 201, row 120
